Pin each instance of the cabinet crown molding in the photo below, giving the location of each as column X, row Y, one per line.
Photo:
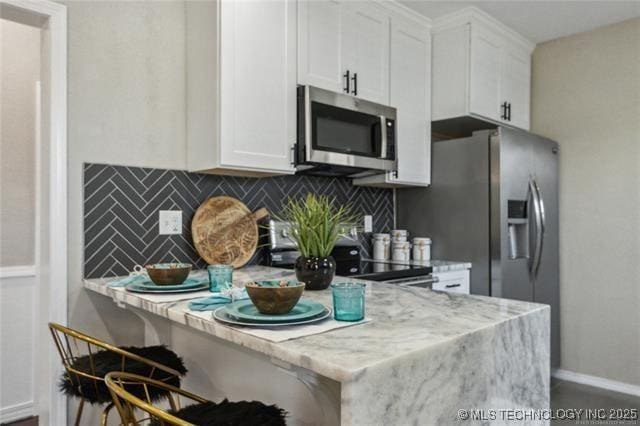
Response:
column 473, row 14
column 405, row 12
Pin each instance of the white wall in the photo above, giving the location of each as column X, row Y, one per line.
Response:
column 586, row 95
column 126, row 106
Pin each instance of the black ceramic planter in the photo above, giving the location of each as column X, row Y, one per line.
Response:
column 315, row 272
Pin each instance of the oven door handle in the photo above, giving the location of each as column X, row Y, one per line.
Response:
column 383, row 137
column 415, row 282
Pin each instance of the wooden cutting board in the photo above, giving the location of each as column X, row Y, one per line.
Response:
column 225, row 231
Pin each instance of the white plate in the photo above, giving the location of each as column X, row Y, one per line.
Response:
column 221, row 315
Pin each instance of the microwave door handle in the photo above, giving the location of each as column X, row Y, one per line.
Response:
column 383, row 137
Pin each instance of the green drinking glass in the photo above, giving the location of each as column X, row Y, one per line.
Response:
column 220, row 277
column 348, row 301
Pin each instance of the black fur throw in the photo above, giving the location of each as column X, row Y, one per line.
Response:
column 225, row 413
column 107, row 361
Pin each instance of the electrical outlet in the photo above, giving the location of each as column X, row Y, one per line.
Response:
column 170, row 222
column 368, row 223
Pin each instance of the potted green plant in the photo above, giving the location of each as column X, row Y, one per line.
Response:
column 316, row 225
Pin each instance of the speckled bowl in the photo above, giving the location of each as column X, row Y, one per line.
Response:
column 168, row 273
column 272, row 299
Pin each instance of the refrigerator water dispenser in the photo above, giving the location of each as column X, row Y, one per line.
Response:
column 518, row 229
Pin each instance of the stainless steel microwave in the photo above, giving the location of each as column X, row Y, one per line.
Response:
column 340, row 135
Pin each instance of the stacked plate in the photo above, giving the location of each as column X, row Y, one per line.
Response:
column 245, row 313
column 148, row 286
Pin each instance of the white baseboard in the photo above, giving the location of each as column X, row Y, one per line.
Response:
column 16, row 412
column 598, row 382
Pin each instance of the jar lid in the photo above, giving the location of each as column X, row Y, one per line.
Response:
column 380, row 236
column 422, row 240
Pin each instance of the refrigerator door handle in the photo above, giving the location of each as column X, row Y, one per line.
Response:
column 539, row 217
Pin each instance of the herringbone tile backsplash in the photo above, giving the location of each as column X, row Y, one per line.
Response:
column 121, row 207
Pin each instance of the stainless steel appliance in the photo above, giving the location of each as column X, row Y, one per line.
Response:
column 281, row 252
column 340, row 135
column 493, row 200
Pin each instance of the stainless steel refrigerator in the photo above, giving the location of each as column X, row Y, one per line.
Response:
column 493, row 201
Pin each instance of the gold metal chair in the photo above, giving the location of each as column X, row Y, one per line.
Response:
column 120, row 386
column 200, row 411
column 87, row 360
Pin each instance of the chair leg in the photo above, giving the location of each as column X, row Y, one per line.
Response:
column 105, row 414
column 79, row 412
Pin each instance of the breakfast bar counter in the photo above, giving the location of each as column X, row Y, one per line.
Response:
column 423, row 355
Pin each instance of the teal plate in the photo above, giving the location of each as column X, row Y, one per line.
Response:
column 188, row 283
column 221, row 315
column 245, row 310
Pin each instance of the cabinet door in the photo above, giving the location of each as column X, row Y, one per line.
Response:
column 484, row 84
column 258, row 85
column 409, row 93
column 515, row 86
column 320, row 44
column 366, row 50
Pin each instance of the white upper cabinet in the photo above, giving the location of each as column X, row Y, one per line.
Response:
column 484, row 84
column 241, row 86
column 366, row 50
column 410, row 66
column 320, row 59
column 344, row 47
column 515, row 86
column 481, row 69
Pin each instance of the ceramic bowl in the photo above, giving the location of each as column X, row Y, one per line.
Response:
column 168, row 273
column 274, row 297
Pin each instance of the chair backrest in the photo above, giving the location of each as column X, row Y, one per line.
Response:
column 73, row 344
column 121, row 384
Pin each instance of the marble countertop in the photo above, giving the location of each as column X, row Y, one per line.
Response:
column 405, row 321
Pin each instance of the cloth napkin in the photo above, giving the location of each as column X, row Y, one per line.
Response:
column 128, row 280
column 218, row 299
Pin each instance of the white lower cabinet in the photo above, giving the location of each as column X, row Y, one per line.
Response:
column 241, row 86
column 452, row 281
column 410, row 88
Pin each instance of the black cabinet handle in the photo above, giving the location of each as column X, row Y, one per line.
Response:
column 346, row 78
column 503, row 107
column 452, row 285
column 355, row 83
column 509, row 111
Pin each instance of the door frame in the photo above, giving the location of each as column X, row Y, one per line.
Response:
column 55, row 277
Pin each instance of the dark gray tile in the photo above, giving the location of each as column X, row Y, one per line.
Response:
column 121, row 209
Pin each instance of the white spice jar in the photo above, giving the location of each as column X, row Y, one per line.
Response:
column 381, row 246
column 421, row 249
column 401, row 252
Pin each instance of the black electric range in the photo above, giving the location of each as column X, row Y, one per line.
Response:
column 281, row 252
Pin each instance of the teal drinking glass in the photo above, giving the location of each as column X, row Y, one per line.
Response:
column 348, row 301
column 220, row 277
